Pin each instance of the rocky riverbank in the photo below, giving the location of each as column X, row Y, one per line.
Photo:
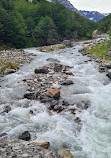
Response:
column 50, row 107
column 103, row 62
column 12, row 60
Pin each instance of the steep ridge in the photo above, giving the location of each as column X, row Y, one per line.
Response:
column 92, row 15
column 65, row 3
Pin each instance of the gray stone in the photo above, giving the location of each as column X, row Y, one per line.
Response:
column 29, row 95
column 108, row 65
column 53, row 103
column 9, row 71
column 43, row 70
column 67, row 82
column 21, row 149
column 53, row 60
column 25, row 136
column 68, row 43
column 7, row 108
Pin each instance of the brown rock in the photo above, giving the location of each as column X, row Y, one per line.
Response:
column 69, row 73
column 65, row 154
column 43, row 145
column 53, row 93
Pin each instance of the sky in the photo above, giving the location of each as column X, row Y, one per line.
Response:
column 103, row 6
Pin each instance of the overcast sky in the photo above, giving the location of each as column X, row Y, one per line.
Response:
column 103, row 6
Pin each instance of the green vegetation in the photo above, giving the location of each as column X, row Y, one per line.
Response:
column 100, row 50
column 25, row 24
column 104, row 25
column 4, row 65
column 87, row 42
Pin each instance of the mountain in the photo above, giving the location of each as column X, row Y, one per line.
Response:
column 105, row 24
column 92, row 15
column 65, row 3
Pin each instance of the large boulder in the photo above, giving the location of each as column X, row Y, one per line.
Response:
column 67, row 43
column 53, row 93
column 95, row 33
column 43, row 70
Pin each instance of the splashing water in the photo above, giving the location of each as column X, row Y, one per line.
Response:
column 93, row 138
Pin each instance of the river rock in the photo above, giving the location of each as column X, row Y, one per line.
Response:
column 108, row 65
column 59, row 67
column 43, row 145
column 25, row 136
column 9, row 71
column 65, row 103
column 56, row 86
column 82, row 49
column 58, row 108
column 29, row 95
column 53, row 103
column 53, row 93
column 7, row 108
column 67, row 82
column 68, row 43
column 109, row 73
column 69, row 73
column 65, row 154
column 23, row 149
column 43, row 70
column 52, row 60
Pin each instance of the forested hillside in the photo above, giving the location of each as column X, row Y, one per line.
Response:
column 105, row 24
column 25, row 24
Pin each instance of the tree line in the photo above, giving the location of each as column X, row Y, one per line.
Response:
column 25, row 24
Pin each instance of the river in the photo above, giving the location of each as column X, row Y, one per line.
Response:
column 90, row 139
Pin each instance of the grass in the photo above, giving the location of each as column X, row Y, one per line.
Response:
column 9, row 65
column 100, row 50
column 87, row 42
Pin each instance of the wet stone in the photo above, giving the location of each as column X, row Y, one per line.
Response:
column 43, row 70
column 7, row 108
column 29, row 95
column 67, row 82
column 53, row 103
column 25, row 136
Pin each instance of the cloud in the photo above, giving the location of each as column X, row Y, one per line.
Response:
column 103, row 6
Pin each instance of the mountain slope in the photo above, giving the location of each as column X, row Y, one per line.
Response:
column 92, row 15
column 105, row 24
column 66, row 4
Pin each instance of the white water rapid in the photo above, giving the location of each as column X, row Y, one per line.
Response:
column 89, row 139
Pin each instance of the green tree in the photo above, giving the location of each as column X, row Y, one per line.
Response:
column 45, row 32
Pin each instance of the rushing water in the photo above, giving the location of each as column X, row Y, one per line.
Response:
column 93, row 140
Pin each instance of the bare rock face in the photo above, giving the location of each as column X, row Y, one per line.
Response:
column 24, row 149
column 66, row 4
column 53, row 93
